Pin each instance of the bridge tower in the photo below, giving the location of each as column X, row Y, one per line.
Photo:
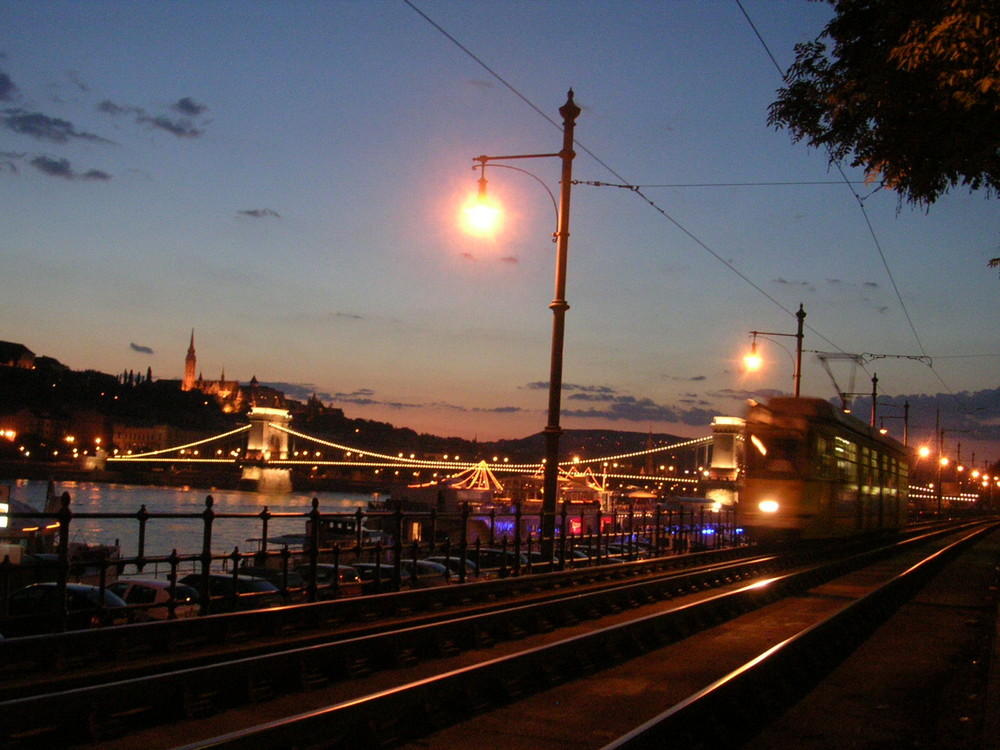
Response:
column 727, row 456
column 266, row 443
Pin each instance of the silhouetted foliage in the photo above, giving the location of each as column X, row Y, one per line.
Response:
column 908, row 89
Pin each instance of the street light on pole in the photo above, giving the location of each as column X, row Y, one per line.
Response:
column 569, row 111
column 753, row 360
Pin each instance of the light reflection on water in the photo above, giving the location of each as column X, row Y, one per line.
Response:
column 182, row 534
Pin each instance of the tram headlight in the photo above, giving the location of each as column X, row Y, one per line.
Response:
column 768, row 506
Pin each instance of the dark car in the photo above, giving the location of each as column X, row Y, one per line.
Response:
column 455, row 565
column 347, row 579
column 149, row 598
column 36, row 609
column 374, row 578
column 296, row 583
column 489, row 560
column 249, row 592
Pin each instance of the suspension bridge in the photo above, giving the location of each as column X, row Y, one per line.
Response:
column 268, row 445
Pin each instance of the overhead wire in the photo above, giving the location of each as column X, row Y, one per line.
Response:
column 861, row 206
column 638, row 190
column 635, row 189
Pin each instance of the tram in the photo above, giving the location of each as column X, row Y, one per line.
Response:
column 813, row 472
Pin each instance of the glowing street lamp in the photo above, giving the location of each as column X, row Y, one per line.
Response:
column 569, row 111
column 754, row 361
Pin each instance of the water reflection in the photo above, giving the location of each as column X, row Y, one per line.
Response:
column 182, row 534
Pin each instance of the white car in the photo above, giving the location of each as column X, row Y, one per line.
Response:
column 150, row 597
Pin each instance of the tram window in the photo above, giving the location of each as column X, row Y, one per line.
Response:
column 783, row 454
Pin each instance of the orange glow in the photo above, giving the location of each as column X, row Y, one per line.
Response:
column 481, row 217
column 924, row 451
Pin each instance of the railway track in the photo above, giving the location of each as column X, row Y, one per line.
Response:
column 392, row 682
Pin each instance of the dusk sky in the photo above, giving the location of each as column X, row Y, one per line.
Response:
column 286, row 179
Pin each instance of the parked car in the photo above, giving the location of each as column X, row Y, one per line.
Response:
column 295, row 582
column 455, row 565
column 348, row 581
column 149, row 598
column 35, row 609
column 249, row 593
column 375, row 578
column 421, row 574
column 488, row 559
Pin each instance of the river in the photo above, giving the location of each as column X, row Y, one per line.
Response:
column 182, row 534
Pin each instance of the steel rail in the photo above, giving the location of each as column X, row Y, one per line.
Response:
column 736, row 707
column 60, row 659
column 413, row 710
column 205, row 688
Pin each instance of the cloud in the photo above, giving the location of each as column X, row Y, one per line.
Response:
column 182, row 128
column 645, row 410
column 61, row 168
column 509, row 259
column 188, row 107
column 109, row 107
column 139, row 348
column 571, row 387
column 45, row 128
column 259, row 213
column 8, row 91
column 9, row 160
column 77, row 81
column 808, row 285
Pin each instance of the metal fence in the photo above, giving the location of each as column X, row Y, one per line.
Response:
column 497, row 541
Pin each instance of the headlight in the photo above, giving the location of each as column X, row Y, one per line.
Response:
column 768, row 506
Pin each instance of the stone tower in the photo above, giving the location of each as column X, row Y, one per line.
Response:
column 190, row 366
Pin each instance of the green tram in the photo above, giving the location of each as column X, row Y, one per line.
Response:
column 814, row 472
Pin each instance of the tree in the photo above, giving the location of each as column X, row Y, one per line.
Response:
column 910, row 91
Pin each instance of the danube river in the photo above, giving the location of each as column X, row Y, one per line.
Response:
column 182, row 534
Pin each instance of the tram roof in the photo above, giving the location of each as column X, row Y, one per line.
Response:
column 817, row 409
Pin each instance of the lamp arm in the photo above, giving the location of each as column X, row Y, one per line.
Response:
column 536, row 178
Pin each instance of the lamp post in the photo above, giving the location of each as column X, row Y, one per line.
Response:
column 550, row 491
column 797, row 376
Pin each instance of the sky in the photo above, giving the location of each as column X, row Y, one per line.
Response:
column 286, row 180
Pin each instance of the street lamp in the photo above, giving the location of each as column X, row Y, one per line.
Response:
column 753, row 360
column 569, row 111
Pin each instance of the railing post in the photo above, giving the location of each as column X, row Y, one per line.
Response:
column 65, row 515
column 265, row 516
column 631, row 531
column 143, row 517
column 208, row 516
column 174, row 561
column 433, row 531
column 285, row 557
column 359, row 536
column 517, row 540
column 657, row 518
column 397, row 549
column 562, row 536
column 600, row 535
column 314, row 521
column 235, row 557
column 463, row 539
column 335, row 585
column 493, row 523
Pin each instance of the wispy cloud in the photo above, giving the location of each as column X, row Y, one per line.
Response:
column 45, row 128
column 259, row 213
column 62, row 168
column 8, row 91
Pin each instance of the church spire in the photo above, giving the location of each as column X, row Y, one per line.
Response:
column 190, row 365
